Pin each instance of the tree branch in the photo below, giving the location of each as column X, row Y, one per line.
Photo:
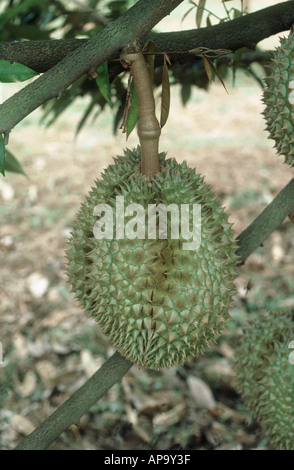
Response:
column 131, row 27
column 111, row 372
column 246, row 31
column 114, row 368
column 268, row 221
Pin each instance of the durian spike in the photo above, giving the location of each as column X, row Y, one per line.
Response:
column 148, row 126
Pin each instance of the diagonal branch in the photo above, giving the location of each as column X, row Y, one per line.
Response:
column 78, row 404
column 114, row 368
column 131, row 27
column 268, row 221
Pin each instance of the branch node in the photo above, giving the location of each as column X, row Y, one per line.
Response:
column 92, row 74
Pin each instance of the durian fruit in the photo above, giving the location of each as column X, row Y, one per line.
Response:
column 279, row 99
column 157, row 303
column 265, row 375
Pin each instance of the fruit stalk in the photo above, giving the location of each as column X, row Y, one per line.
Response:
column 148, row 125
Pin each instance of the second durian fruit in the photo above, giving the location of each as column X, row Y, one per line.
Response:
column 279, row 99
column 265, row 375
column 158, row 304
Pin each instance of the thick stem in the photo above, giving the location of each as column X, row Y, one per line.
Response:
column 148, row 126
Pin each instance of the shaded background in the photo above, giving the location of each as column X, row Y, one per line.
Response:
column 51, row 347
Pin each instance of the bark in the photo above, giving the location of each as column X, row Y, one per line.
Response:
column 246, row 31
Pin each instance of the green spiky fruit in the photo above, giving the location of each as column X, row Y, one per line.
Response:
column 265, row 376
column 279, row 99
column 158, row 304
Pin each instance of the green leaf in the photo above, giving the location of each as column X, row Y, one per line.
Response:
column 28, row 31
column 118, row 116
column 133, row 112
column 14, row 72
column 185, row 93
column 208, row 63
column 12, row 164
column 13, row 11
column 236, row 62
column 86, row 114
column 237, row 13
column 199, row 12
column 56, row 106
column 187, row 13
column 103, row 81
column 2, row 155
